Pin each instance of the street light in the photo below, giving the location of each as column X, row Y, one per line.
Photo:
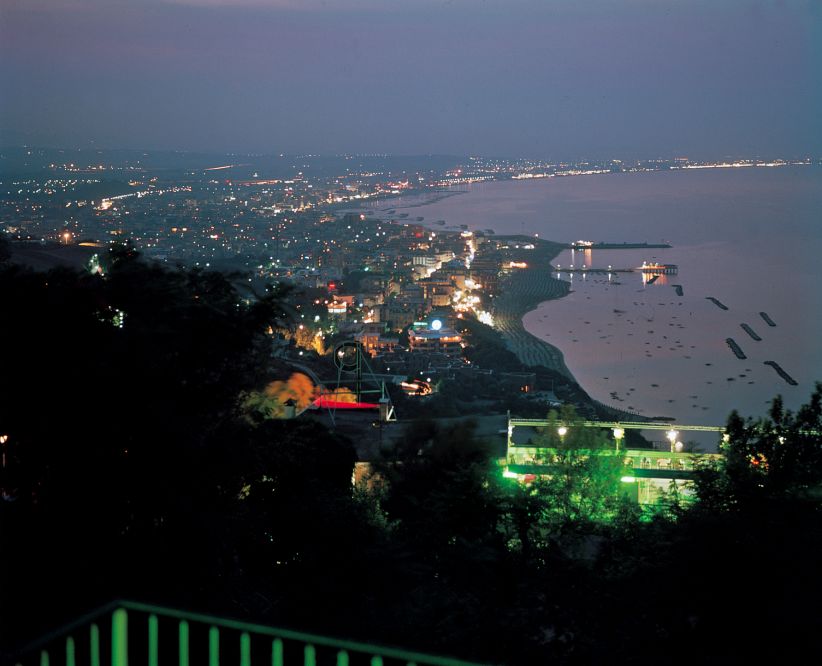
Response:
column 672, row 435
column 562, row 430
column 619, row 433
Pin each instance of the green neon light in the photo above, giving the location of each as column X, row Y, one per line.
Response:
column 94, row 638
column 118, row 614
column 183, row 642
column 70, row 661
column 310, row 656
column 277, row 652
column 628, row 479
column 213, row 647
column 153, row 640
column 245, row 649
column 119, row 638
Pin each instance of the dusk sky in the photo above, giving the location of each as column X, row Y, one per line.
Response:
column 538, row 78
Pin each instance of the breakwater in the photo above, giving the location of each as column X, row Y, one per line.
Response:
column 768, row 320
column 717, row 303
column 790, row 380
column 735, row 348
column 751, row 332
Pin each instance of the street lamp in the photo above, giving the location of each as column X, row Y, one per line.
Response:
column 619, row 433
column 562, row 430
column 672, row 435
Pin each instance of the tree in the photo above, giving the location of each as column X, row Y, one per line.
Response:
column 775, row 458
column 5, row 250
column 582, row 486
column 270, row 403
column 116, row 397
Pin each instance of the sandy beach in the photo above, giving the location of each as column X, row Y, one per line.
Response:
column 521, row 292
column 653, row 348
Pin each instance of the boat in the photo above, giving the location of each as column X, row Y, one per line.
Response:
column 657, row 268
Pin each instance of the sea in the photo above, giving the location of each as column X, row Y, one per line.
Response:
column 750, row 238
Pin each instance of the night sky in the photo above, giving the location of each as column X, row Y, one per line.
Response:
column 536, row 78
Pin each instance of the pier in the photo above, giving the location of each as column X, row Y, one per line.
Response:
column 590, row 245
column 648, row 269
column 559, row 269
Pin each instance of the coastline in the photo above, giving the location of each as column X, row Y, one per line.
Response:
column 523, row 291
column 704, row 366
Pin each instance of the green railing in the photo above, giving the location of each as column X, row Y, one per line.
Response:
column 126, row 632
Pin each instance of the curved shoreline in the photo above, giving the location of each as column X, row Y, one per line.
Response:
column 522, row 292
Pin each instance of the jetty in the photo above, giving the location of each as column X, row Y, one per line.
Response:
column 717, row 303
column 788, row 379
column 768, row 320
column 649, row 269
column 735, row 348
column 559, row 269
column 591, row 245
column 751, row 332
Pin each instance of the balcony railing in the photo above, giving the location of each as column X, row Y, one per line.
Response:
column 126, row 632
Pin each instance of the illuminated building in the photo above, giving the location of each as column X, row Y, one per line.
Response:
column 647, row 475
column 337, row 310
column 444, row 340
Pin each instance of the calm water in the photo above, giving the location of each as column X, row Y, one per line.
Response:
column 752, row 238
